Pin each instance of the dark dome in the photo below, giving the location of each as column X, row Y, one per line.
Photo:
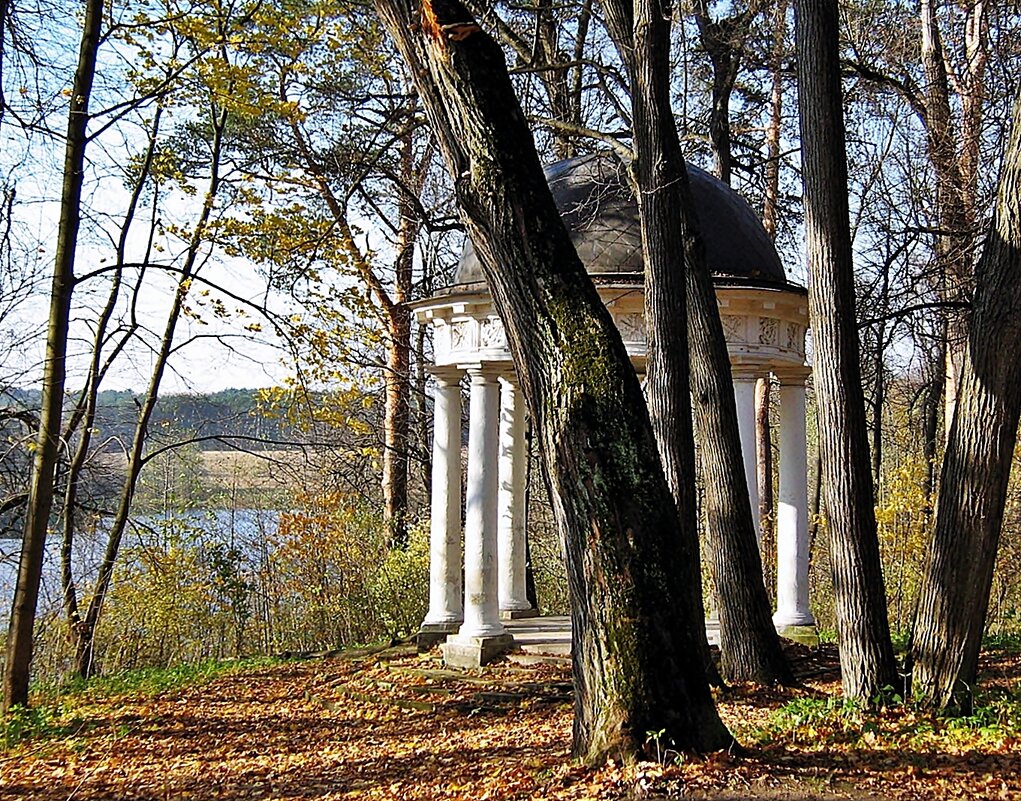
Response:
column 599, row 210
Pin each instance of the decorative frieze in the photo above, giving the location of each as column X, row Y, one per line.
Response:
column 768, row 330
column 733, row 327
column 461, row 335
column 491, row 333
column 759, row 329
column 631, row 327
column 795, row 341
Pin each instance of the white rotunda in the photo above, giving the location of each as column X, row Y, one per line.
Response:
column 765, row 318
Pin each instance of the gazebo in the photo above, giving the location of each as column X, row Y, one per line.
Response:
column 765, row 318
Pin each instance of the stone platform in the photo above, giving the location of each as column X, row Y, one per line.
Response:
column 541, row 635
column 552, row 635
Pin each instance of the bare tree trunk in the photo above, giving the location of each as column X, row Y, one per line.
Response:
column 750, row 648
column 394, row 314
column 772, row 193
column 397, row 411
column 879, row 366
column 658, row 171
column 636, row 659
column 866, row 652
column 19, row 637
column 83, row 418
column 954, row 204
column 954, row 596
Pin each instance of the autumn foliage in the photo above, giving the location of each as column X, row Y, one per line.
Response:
column 394, row 725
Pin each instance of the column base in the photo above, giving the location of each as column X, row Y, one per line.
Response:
column 429, row 634
column 806, row 635
column 474, row 652
column 518, row 614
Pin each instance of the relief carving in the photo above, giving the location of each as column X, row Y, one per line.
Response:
column 768, row 329
column 441, row 339
column 460, row 335
column 733, row 327
column 631, row 327
column 491, row 333
column 795, row 338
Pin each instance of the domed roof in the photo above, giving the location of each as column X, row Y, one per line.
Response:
column 596, row 203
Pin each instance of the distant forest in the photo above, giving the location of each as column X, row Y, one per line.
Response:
column 226, row 414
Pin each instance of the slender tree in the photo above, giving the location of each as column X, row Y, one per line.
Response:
column 637, row 665
column 866, row 652
column 20, row 633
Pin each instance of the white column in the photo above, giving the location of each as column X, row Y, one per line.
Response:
column 792, row 511
column 481, row 603
column 744, row 395
column 511, row 501
column 445, row 593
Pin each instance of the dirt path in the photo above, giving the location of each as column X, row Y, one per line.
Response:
column 399, row 727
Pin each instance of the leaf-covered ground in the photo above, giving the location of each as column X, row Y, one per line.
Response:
column 394, row 725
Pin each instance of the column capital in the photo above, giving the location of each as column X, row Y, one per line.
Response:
column 484, row 371
column 445, row 375
column 792, row 375
column 746, row 372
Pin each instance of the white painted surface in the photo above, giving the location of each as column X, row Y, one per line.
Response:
column 481, row 603
column 792, row 512
column 445, row 592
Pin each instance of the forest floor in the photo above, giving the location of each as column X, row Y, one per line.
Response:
column 396, row 725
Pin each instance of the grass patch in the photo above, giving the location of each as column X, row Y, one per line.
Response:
column 1008, row 642
column 891, row 724
column 153, row 681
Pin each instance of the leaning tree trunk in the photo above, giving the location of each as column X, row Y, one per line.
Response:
column 658, row 171
column 636, row 631
column 866, row 654
column 749, row 647
column 954, row 596
column 26, row 596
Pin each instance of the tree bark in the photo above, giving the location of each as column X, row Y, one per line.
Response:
column 750, row 648
column 397, row 410
column 20, row 633
column 866, row 652
column 635, row 633
column 771, row 198
column 954, row 595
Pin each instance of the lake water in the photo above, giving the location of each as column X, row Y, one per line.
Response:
column 244, row 529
